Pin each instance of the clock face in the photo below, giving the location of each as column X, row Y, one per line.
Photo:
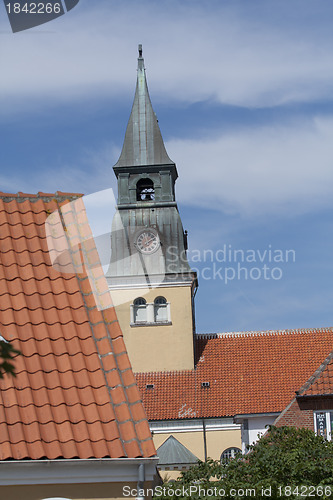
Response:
column 147, row 241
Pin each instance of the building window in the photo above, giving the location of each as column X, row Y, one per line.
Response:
column 160, row 310
column 323, row 424
column 229, row 453
column 145, row 190
column 140, row 310
column 150, row 314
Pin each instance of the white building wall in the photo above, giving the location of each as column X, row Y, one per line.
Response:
column 257, row 426
column 253, row 428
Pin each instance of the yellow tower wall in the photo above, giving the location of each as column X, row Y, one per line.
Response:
column 162, row 347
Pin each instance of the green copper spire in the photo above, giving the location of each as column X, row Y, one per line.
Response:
column 143, row 144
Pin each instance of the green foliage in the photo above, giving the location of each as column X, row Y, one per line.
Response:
column 286, row 463
column 7, row 355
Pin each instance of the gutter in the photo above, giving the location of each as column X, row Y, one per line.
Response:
column 71, row 471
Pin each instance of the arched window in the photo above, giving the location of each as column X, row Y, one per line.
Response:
column 229, row 453
column 140, row 310
column 145, row 190
column 160, row 309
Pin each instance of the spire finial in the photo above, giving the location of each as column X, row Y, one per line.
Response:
column 140, row 50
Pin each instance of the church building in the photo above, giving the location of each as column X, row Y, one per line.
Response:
column 206, row 395
column 151, row 282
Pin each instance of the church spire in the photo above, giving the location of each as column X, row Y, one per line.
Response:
column 143, row 144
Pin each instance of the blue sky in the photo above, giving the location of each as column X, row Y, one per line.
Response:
column 244, row 96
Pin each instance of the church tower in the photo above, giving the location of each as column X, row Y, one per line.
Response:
column 151, row 282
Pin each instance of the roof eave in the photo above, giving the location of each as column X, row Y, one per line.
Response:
column 314, row 396
column 71, row 471
column 256, row 415
column 153, row 168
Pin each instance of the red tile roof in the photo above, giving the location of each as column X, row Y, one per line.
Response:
column 247, row 373
column 321, row 382
column 75, row 394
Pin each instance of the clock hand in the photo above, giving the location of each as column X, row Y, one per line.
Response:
column 149, row 241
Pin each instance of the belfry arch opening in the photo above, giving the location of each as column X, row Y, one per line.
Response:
column 145, row 190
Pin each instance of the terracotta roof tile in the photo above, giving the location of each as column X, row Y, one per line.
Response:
column 147, row 447
column 109, row 363
column 138, row 412
column 251, row 372
column 113, row 377
column 132, row 449
column 122, row 412
column 123, row 362
column 62, row 402
column 141, row 428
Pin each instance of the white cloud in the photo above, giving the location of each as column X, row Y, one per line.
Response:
column 269, row 170
column 193, row 52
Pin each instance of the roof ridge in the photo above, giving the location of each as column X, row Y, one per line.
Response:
column 57, row 196
column 60, row 277
column 21, row 224
column 169, row 372
column 28, row 238
column 315, row 376
column 263, row 333
column 52, row 405
column 44, row 308
column 39, row 294
column 58, row 386
column 28, row 322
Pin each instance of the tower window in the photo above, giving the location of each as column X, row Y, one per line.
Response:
column 155, row 313
column 140, row 310
column 145, row 190
column 160, row 309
